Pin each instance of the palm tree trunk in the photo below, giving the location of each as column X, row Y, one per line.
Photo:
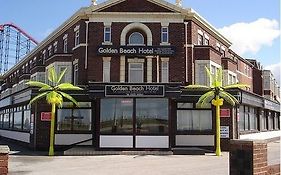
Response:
column 218, row 132
column 51, row 148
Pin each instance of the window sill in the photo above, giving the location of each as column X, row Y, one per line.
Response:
column 106, row 43
column 79, row 45
column 165, row 44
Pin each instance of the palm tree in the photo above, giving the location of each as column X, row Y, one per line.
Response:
column 54, row 96
column 216, row 94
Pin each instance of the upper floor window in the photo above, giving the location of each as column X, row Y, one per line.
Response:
column 200, row 39
column 50, row 51
column 107, row 34
column 136, row 72
column 55, row 47
column 65, row 45
column 165, row 71
column 136, row 38
column 206, row 41
column 76, row 42
column 164, row 35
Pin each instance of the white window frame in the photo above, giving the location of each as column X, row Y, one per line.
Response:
column 164, row 71
column 77, row 38
column 129, row 72
column 65, row 50
column 107, row 32
column 163, row 33
column 75, row 74
column 106, row 69
column 200, row 38
column 55, row 47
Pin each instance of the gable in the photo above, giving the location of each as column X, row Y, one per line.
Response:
column 136, row 6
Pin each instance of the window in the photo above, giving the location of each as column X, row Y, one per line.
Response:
column 106, row 69
column 107, row 34
column 6, row 119
column 136, row 38
column 165, row 71
column 26, row 118
column 55, row 47
column 241, row 118
column 206, row 41
column 72, row 118
column 65, row 45
column 44, row 55
column 136, row 72
column 17, row 119
column 61, row 69
column 76, row 42
column 49, row 51
column 202, row 75
column 116, row 116
column 200, row 39
column 194, row 120
column 152, row 116
column 75, row 74
column 164, row 35
column 223, row 52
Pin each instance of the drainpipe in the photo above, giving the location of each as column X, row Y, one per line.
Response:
column 157, row 59
column 186, row 56
column 86, row 48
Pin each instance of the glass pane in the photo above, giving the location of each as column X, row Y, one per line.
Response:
column 64, row 119
column 152, row 116
column 17, row 120
column 6, row 120
column 241, row 118
column 26, row 120
column 195, row 120
column 185, row 105
column 116, row 116
column 136, row 38
column 82, row 119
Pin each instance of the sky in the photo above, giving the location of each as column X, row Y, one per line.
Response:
column 253, row 26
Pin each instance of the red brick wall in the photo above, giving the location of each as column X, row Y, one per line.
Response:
column 4, row 163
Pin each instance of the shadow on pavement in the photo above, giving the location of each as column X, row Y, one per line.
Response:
column 16, row 149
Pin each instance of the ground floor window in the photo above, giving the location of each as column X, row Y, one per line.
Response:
column 194, row 120
column 122, row 115
column 248, row 118
column 72, row 118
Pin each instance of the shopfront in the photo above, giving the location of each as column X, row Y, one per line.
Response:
column 133, row 116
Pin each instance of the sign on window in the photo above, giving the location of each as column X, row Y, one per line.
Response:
column 46, row 116
column 224, row 132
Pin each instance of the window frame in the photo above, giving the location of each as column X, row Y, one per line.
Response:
column 129, row 72
column 65, row 45
column 76, row 38
column 136, row 44
column 163, row 33
column 166, row 70
column 105, row 33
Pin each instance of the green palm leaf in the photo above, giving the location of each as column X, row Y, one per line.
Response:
column 229, row 98
column 200, row 87
column 52, row 76
column 209, row 74
column 61, row 75
column 207, row 95
column 67, row 86
column 69, row 98
column 46, row 88
column 36, row 84
column 38, row 97
column 236, row 86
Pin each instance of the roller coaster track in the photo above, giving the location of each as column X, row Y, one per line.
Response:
column 15, row 43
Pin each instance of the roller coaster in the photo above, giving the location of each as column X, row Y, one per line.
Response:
column 15, row 43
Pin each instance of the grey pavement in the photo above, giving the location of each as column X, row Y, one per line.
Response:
column 119, row 165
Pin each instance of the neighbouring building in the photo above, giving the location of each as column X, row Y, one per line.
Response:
column 133, row 59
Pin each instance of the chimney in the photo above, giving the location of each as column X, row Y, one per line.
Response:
column 178, row 3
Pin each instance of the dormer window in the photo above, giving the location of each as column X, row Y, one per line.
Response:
column 136, row 38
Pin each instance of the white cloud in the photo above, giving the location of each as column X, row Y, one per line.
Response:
column 250, row 37
column 275, row 69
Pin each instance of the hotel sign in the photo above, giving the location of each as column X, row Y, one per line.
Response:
column 136, row 50
column 134, row 90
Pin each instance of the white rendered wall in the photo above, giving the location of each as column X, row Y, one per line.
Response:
column 68, row 139
column 116, row 141
column 152, row 141
column 195, row 140
column 21, row 136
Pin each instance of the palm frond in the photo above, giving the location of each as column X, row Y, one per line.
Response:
column 208, row 98
column 229, row 98
column 209, row 74
column 39, row 96
column 231, row 86
column 54, row 98
column 36, row 84
column 61, row 75
column 46, row 88
column 69, row 97
column 68, row 86
column 219, row 76
column 52, row 76
column 198, row 86
column 206, row 95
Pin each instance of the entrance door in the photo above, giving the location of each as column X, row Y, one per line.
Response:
column 134, row 123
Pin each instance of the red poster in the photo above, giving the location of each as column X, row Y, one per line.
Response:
column 46, row 116
column 225, row 112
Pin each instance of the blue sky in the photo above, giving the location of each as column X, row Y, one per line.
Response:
column 239, row 18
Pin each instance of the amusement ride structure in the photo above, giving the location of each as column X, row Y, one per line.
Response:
column 15, row 43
